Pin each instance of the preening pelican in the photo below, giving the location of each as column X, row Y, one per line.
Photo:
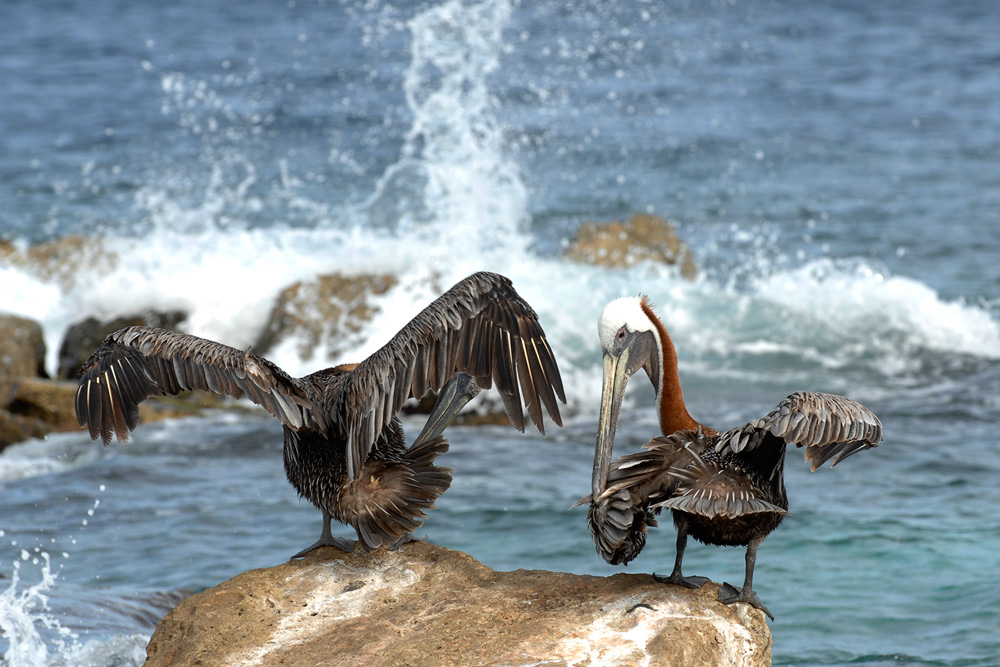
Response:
column 723, row 489
column 344, row 449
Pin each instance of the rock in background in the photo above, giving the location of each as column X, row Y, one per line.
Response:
column 328, row 310
column 427, row 605
column 22, row 358
column 22, row 348
column 59, row 260
column 644, row 238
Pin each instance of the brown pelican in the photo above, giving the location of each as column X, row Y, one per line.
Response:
column 343, row 444
column 723, row 489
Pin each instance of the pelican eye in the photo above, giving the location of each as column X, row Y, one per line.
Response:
column 622, row 333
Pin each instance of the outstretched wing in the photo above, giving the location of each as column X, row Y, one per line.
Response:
column 830, row 427
column 481, row 327
column 619, row 517
column 135, row 363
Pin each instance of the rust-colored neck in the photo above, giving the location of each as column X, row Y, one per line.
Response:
column 669, row 396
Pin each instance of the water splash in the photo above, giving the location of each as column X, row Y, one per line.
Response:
column 36, row 638
column 22, row 610
column 30, row 616
column 455, row 182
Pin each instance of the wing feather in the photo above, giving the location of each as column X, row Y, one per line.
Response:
column 830, row 427
column 135, row 363
column 713, row 489
column 481, row 327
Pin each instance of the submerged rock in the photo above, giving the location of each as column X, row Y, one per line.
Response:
column 644, row 238
column 427, row 605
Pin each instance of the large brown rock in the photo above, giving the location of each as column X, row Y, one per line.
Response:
column 425, row 605
column 644, row 238
column 329, row 310
column 22, row 348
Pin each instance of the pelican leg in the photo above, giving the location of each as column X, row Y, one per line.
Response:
column 326, row 539
column 729, row 594
column 405, row 539
column 458, row 391
column 676, row 577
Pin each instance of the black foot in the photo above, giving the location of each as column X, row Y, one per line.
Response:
column 729, row 594
column 409, row 537
column 678, row 580
column 341, row 543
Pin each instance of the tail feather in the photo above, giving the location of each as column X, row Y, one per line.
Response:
column 618, row 526
column 389, row 498
column 712, row 489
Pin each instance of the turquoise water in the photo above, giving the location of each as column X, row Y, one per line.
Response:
column 833, row 166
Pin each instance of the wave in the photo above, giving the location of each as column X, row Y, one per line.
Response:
column 454, row 202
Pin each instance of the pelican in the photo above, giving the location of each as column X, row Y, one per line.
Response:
column 344, row 449
column 722, row 488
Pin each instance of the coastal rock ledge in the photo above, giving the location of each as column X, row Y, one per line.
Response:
column 427, row 605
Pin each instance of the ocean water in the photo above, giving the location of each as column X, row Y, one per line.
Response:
column 834, row 165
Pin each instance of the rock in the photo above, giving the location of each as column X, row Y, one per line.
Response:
column 59, row 260
column 34, row 407
column 49, row 402
column 427, row 605
column 82, row 338
column 18, row 428
column 328, row 310
column 22, row 348
column 643, row 238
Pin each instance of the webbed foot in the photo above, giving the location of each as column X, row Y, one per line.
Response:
column 341, row 543
column 678, row 580
column 729, row 594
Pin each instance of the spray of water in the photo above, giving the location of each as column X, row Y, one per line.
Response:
column 454, row 184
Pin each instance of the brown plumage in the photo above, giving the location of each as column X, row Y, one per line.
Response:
column 724, row 489
column 344, row 449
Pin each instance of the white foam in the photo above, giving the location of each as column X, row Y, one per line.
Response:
column 853, row 297
column 35, row 457
column 22, row 614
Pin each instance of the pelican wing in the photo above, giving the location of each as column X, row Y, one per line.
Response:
column 135, row 363
column 481, row 327
column 830, row 427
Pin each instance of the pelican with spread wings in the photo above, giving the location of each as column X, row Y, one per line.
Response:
column 344, row 449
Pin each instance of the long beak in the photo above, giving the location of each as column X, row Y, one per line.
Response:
column 458, row 391
column 615, row 378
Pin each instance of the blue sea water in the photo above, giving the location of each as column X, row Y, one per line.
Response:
column 835, row 167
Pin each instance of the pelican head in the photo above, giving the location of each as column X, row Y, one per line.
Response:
column 630, row 339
